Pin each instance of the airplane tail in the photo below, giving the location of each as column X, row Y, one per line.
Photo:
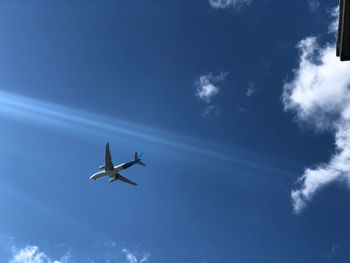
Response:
column 137, row 157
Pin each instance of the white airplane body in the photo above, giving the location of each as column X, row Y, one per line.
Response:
column 113, row 171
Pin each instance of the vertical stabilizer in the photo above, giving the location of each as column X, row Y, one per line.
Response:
column 137, row 158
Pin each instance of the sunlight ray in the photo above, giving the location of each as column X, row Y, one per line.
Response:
column 16, row 106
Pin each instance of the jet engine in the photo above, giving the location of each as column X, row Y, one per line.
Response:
column 112, row 180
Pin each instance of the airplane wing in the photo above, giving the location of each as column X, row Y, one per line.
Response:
column 109, row 164
column 125, row 180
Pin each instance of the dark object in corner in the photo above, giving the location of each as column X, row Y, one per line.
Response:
column 343, row 41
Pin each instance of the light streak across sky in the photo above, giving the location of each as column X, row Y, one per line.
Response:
column 49, row 114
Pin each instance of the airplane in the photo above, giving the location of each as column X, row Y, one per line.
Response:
column 113, row 171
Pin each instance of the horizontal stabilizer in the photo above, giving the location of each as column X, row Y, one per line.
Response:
column 141, row 163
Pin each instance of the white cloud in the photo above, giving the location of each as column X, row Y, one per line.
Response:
column 31, row 254
column 145, row 258
column 111, row 252
column 206, row 89
column 211, row 109
column 251, row 89
column 314, row 5
column 221, row 4
column 319, row 95
column 206, row 86
column 333, row 26
column 132, row 257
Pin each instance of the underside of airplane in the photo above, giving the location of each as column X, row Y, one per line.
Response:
column 113, row 171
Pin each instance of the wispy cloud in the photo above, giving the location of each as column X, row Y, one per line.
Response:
column 109, row 252
column 132, row 257
column 32, row 254
column 210, row 110
column 319, row 94
column 333, row 26
column 207, row 87
column 314, row 5
column 251, row 89
column 222, row 4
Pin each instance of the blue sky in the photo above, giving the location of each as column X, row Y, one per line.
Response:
column 241, row 110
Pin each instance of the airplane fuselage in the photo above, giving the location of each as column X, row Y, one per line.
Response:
column 115, row 171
